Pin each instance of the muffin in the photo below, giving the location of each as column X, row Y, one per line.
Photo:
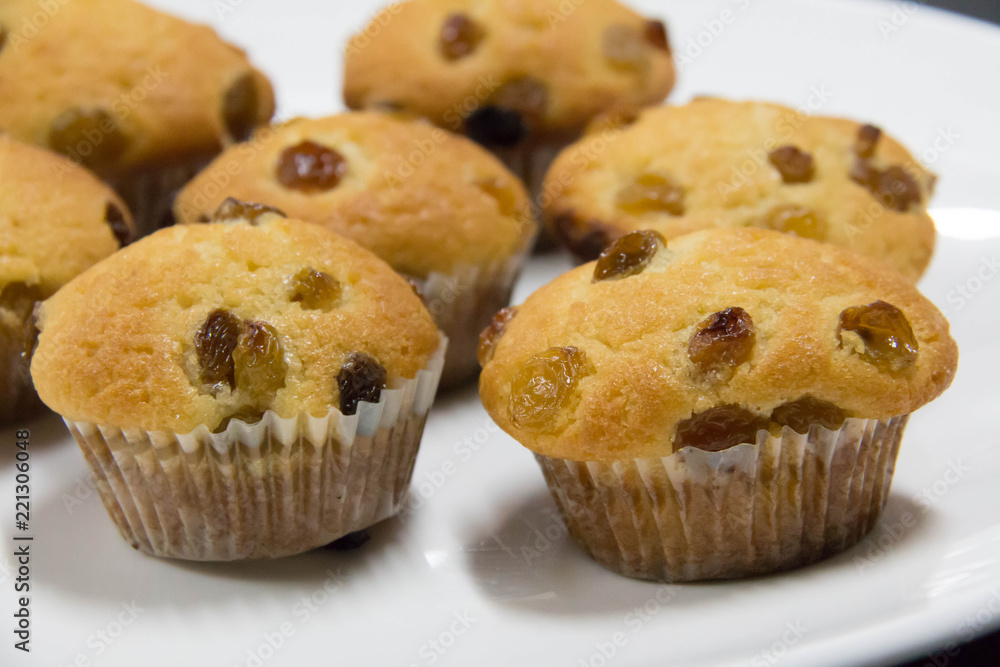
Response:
column 252, row 388
column 436, row 207
column 56, row 220
column 716, row 163
column 140, row 97
column 522, row 77
column 702, row 429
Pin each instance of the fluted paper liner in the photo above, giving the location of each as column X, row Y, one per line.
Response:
column 463, row 303
column 149, row 191
column 274, row 488
column 783, row 502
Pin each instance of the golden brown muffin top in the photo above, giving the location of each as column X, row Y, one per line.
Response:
column 717, row 163
column 418, row 197
column 557, row 63
column 56, row 219
column 196, row 324
column 754, row 319
column 115, row 84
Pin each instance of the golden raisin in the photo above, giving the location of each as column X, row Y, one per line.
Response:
column 651, row 193
column 544, row 385
column 611, row 121
column 505, row 196
column 629, row 255
column 315, row 290
column 89, row 136
column 240, row 107
column 234, row 209
column 724, row 340
column 800, row 414
column 361, row 378
column 719, row 428
column 310, row 167
column 625, row 48
column 118, row 224
column 887, row 336
column 460, row 36
column 214, row 344
column 794, row 164
column 867, row 141
column 656, row 34
column 259, row 360
column 798, row 220
column 492, row 334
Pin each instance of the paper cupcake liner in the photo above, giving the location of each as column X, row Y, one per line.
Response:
column 783, row 502
column 149, row 191
column 462, row 304
column 275, row 488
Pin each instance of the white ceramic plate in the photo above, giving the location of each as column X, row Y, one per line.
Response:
column 482, row 572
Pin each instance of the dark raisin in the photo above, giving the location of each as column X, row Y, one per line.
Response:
column 460, row 36
column 651, row 193
column 719, row 428
column 656, row 34
column 629, row 255
column 724, row 340
column 543, row 386
column 118, row 224
column 214, row 344
column 361, row 378
column 867, row 141
column 624, row 47
column 315, row 290
column 794, row 164
column 88, row 136
column 886, row 333
column 234, row 209
column 799, row 415
column 240, row 107
column 585, row 240
column 492, row 334
column 259, row 360
column 310, row 167
column 897, row 189
column 350, row 542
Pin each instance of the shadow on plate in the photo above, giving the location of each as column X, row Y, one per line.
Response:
column 46, row 428
column 530, row 562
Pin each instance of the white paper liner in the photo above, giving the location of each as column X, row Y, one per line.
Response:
column 781, row 503
column 462, row 304
column 274, row 488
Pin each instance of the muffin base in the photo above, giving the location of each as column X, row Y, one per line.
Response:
column 275, row 488
column 781, row 503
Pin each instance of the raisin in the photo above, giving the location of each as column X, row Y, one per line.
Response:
column 625, row 48
column 651, row 193
column 656, row 34
column 794, row 164
column 89, row 136
column 798, row 220
column 492, row 334
column 867, row 141
column 460, row 36
column 544, row 385
column 315, row 290
column 361, row 378
column 897, row 189
column 214, row 344
column 888, row 338
column 233, row 209
column 505, row 197
column 587, row 243
column 724, row 340
column 611, row 121
column 118, row 224
column 719, row 428
column 240, row 107
column 259, row 360
column 310, row 167
column 800, row 414
column 629, row 255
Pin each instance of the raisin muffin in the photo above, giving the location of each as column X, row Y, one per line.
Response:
column 692, row 429
column 142, row 98
column 521, row 77
column 436, row 207
column 245, row 389
column 56, row 220
column 717, row 163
